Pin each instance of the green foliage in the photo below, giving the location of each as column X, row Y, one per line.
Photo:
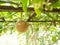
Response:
column 38, row 5
column 46, row 29
column 57, row 4
column 54, row 38
column 1, row 26
column 53, row 29
column 24, row 4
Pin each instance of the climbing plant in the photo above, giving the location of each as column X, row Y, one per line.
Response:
column 43, row 17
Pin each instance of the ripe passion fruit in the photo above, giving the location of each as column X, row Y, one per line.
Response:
column 22, row 26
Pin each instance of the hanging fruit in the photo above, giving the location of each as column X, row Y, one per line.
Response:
column 22, row 26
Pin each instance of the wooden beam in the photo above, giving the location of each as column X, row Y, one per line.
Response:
column 36, row 21
column 19, row 9
column 13, row 9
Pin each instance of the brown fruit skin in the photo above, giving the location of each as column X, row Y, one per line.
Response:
column 22, row 26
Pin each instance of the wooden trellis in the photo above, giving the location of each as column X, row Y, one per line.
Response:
column 29, row 9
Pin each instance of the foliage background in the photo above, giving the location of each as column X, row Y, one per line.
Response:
column 44, row 32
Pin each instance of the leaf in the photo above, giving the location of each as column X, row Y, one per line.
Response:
column 5, row 30
column 38, row 5
column 37, row 28
column 24, row 4
column 52, row 29
column 57, row 4
column 38, row 11
column 1, row 26
column 0, row 30
column 36, row 1
column 54, row 38
column 59, row 32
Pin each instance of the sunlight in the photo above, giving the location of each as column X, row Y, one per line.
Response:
column 12, row 39
column 9, row 39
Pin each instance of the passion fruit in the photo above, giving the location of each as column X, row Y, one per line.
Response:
column 22, row 26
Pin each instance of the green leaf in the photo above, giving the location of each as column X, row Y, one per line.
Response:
column 52, row 29
column 54, row 38
column 36, row 1
column 5, row 31
column 38, row 11
column 38, row 5
column 0, row 30
column 59, row 32
column 1, row 26
column 24, row 4
column 57, row 4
